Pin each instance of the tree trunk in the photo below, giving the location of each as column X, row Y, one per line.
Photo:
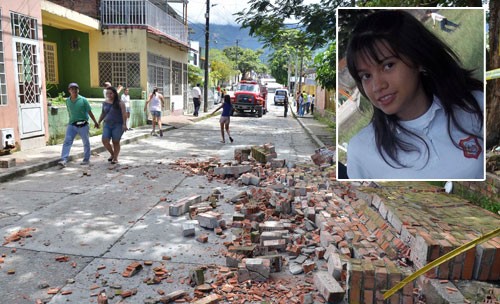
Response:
column 493, row 86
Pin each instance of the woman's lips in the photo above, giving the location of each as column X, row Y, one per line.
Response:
column 386, row 99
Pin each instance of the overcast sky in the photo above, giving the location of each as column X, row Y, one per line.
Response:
column 221, row 11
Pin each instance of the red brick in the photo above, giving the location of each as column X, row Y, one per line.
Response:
column 468, row 267
column 368, row 297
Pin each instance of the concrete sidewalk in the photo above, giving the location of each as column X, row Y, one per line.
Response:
column 22, row 163
column 320, row 133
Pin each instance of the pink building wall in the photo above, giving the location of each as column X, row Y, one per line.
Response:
column 9, row 114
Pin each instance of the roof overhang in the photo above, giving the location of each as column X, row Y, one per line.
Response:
column 163, row 38
column 63, row 18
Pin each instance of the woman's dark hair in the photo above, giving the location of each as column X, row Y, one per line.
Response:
column 227, row 98
column 116, row 99
column 442, row 75
column 154, row 91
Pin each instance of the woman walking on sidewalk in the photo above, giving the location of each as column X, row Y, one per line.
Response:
column 225, row 117
column 155, row 104
column 115, row 123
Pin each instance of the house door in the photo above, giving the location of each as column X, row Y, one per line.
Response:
column 28, row 90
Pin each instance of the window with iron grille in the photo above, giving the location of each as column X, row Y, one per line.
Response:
column 50, row 55
column 120, row 69
column 24, row 26
column 159, row 73
column 3, row 85
column 176, row 78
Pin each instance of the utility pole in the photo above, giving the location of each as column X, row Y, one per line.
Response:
column 207, row 35
column 238, row 74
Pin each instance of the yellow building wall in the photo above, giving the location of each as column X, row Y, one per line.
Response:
column 117, row 40
column 134, row 40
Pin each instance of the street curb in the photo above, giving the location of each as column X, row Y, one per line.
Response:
column 316, row 140
column 52, row 162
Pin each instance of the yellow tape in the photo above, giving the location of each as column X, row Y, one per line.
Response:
column 493, row 74
column 441, row 260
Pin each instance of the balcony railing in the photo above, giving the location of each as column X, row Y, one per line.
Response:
column 142, row 13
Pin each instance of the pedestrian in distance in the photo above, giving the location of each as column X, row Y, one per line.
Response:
column 79, row 111
column 126, row 100
column 301, row 105
column 196, row 99
column 285, row 105
column 443, row 21
column 427, row 118
column 156, row 103
column 308, row 103
column 114, row 115
column 313, row 100
column 107, row 84
column 225, row 117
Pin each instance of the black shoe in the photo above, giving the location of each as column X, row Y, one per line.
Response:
column 231, row 139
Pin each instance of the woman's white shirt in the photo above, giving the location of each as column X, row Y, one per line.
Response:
column 444, row 161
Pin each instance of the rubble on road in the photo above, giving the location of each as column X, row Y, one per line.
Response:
column 354, row 243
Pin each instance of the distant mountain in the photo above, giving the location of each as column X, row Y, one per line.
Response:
column 222, row 36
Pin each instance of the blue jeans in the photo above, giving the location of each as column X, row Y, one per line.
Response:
column 301, row 109
column 71, row 132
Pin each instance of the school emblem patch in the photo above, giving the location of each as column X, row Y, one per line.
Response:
column 471, row 147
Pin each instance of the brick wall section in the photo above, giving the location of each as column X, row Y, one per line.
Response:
column 368, row 280
column 87, row 7
column 489, row 188
column 433, row 223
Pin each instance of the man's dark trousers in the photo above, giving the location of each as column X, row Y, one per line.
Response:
column 197, row 104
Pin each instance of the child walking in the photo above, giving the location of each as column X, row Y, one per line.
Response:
column 427, row 118
column 225, row 117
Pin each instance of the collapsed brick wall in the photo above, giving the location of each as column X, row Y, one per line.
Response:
column 431, row 237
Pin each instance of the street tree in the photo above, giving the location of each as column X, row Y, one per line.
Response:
column 493, row 86
column 195, row 75
column 247, row 60
column 221, row 67
column 325, row 64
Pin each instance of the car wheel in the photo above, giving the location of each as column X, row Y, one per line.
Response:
column 259, row 112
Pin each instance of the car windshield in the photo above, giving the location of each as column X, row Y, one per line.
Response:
column 281, row 93
column 248, row 87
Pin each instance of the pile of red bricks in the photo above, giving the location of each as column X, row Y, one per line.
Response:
column 357, row 242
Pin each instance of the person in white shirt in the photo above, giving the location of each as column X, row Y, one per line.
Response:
column 126, row 100
column 443, row 21
column 107, row 85
column 155, row 102
column 427, row 110
column 196, row 99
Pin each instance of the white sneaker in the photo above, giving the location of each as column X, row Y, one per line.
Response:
column 62, row 164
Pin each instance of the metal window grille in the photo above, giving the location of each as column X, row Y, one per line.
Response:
column 176, row 78
column 3, row 85
column 120, row 69
column 24, row 26
column 50, row 55
column 159, row 73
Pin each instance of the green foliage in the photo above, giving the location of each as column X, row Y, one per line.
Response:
column 194, row 75
column 246, row 60
column 60, row 100
column 221, row 66
column 325, row 64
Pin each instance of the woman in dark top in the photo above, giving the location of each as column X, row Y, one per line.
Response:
column 114, row 115
column 225, row 117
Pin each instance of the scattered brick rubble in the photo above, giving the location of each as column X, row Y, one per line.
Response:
column 299, row 236
column 355, row 243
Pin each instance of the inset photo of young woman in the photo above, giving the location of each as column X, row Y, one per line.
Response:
column 410, row 102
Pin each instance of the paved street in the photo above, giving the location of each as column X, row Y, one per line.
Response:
column 103, row 217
